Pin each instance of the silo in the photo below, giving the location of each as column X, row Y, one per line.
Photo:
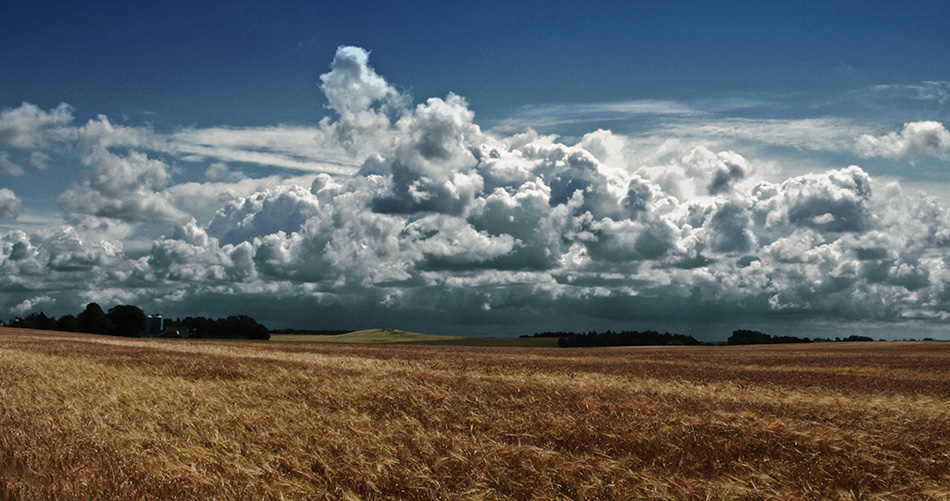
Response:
column 154, row 324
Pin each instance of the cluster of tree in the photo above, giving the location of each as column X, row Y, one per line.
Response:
column 856, row 338
column 654, row 338
column 548, row 334
column 129, row 320
column 623, row 338
column 122, row 320
column 41, row 321
column 743, row 336
column 233, row 327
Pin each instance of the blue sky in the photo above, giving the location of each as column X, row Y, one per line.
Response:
column 186, row 168
column 246, row 63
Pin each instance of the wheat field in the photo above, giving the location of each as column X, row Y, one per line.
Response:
column 85, row 416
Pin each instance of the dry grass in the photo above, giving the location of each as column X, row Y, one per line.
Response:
column 95, row 417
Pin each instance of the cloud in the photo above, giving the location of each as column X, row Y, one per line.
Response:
column 201, row 200
column 916, row 139
column 834, row 201
column 109, row 295
column 541, row 116
column 57, row 261
column 120, row 179
column 433, row 168
column 101, row 134
column 414, row 216
column 191, row 255
column 363, row 101
column 8, row 167
column 39, row 160
column 284, row 147
column 284, row 209
column 450, row 242
column 220, row 172
column 352, row 86
column 928, row 93
column 67, row 251
column 722, row 169
column 29, row 305
column 729, row 229
column 10, row 205
column 808, row 134
column 28, row 126
column 123, row 187
column 526, row 215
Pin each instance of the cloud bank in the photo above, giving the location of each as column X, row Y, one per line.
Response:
column 420, row 219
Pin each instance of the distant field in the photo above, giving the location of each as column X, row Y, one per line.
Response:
column 391, row 336
column 384, row 336
column 85, row 416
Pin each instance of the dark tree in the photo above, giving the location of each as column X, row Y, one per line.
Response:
column 67, row 323
column 35, row 321
column 200, row 326
column 623, row 338
column 130, row 320
column 127, row 320
column 789, row 340
column 242, row 327
column 749, row 337
column 94, row 320
column 233, row 327
column 743, row 336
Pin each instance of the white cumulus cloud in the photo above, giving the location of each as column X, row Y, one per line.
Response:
column 29, row 127
column 29, row 305
column 927, row 138
column 10, row 205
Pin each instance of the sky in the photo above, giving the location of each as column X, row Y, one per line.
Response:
column 482, row 168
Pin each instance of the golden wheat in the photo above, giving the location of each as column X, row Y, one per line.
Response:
column 86, row 416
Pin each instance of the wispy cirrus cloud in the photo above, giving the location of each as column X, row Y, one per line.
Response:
column 928, row 91
column 285, row 147
column 812, row 134
column 544, row 116
column 540, row 116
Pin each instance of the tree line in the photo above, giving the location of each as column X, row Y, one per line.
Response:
column 129, row 321
column 623, row 338
column 744, row 336
column 654, row 338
